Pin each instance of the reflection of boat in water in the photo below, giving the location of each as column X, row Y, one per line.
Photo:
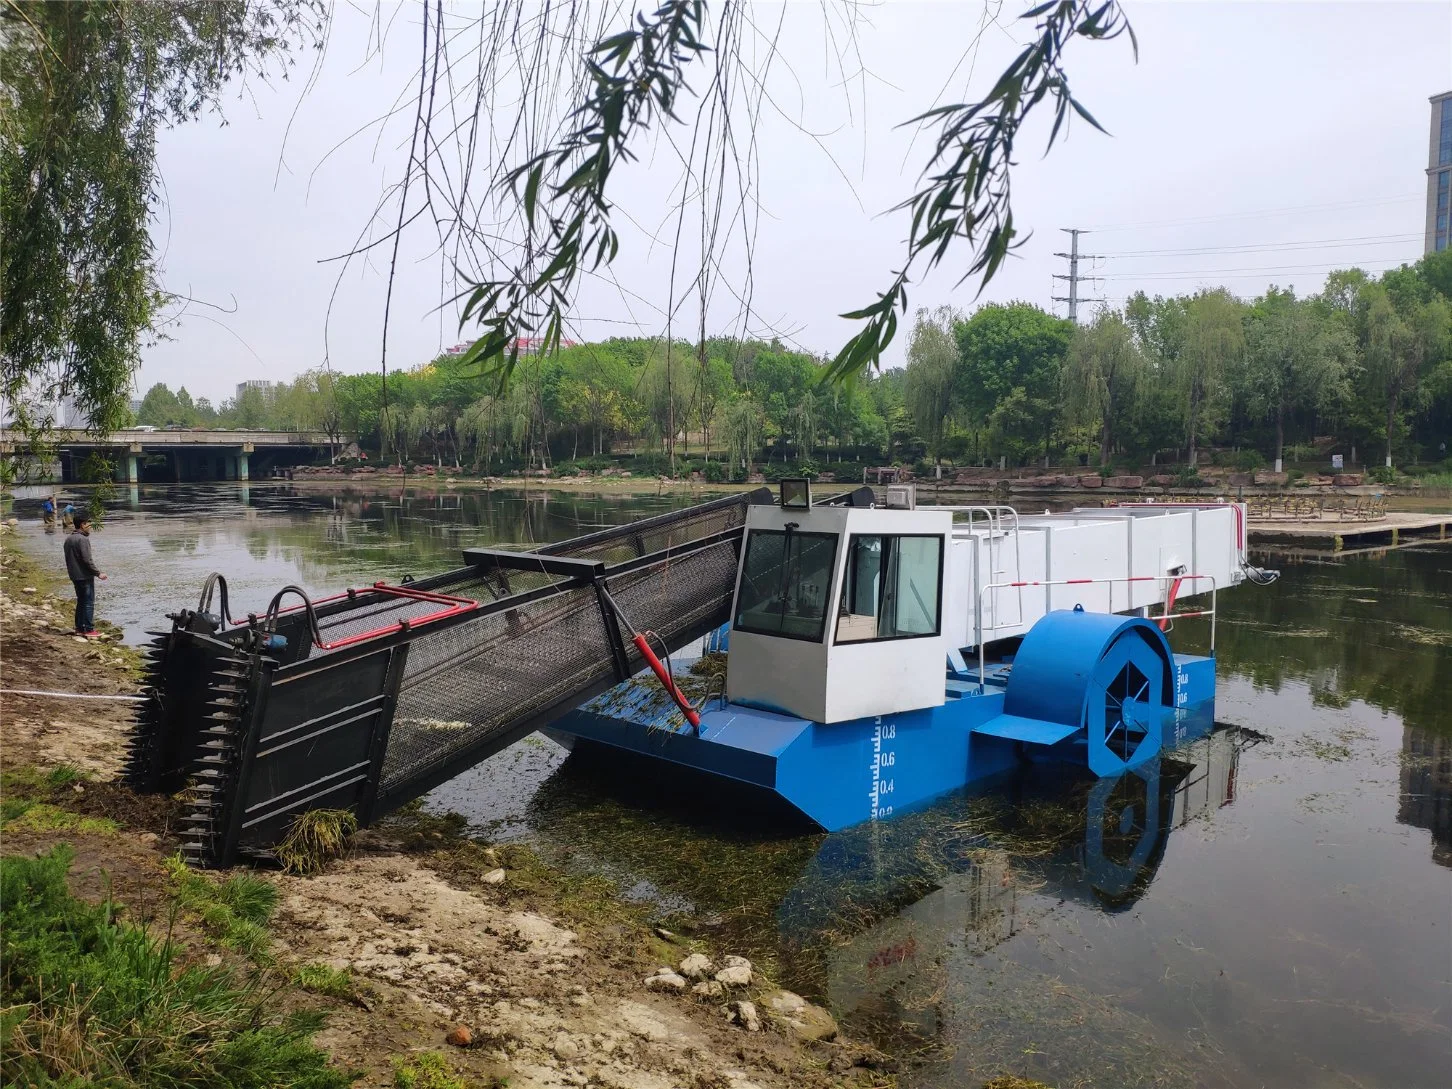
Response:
column 897, row 970
column 870, row 918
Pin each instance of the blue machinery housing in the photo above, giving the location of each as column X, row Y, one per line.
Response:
column 1088, row 688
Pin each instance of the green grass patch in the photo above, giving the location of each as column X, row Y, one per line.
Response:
column 426, row 1071
column 235, row 911
column 30, row 781
column 325, row 980
column 316, row 837
column 18, row 814
column 93, row 1001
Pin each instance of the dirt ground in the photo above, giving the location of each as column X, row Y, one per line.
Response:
column 433, row 941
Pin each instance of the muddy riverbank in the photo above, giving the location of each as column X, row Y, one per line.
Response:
column 545, row 973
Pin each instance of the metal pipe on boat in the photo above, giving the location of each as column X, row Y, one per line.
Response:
column 662, row 674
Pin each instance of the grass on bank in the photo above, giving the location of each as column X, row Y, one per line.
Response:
column 427, row 1070
column 25, row 802
column 92, row 1000
column 325, row 980
column 235, row 911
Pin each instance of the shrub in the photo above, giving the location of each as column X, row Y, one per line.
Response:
column 715, row 472
column 1381, row 474
column 1248, row 461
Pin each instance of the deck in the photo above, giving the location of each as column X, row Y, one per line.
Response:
column 1331, row 531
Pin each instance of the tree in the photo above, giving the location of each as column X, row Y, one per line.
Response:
column 553, row 181
column 1104, row 377
column 87, row 85
column 593, row 391
column 326, row 414
column 928, row 380
column 1214, row 338
column 744, row 424
column 1407, row 333
column 159, row 408
column 784, row 383
column 713, row 389
column 665, row 390
column 250, row 408
column 1008, row 375
column 1296, row 356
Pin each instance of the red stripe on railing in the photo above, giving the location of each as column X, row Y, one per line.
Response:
column 453, row 606
column 402, row 625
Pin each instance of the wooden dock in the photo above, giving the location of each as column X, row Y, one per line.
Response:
column 1393, row 529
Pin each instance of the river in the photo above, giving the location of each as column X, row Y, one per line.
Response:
column 1271, row 905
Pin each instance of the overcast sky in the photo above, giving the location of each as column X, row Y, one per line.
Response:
column 1252, row 143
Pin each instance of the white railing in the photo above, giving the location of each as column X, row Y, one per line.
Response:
column 1163, row 619
column 995, row 516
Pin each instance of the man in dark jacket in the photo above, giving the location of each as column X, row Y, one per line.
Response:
column 84, row 573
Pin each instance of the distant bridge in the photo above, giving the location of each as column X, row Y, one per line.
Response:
column 177, row 454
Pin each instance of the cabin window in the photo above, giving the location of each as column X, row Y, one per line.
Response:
column 892, row 589
column 786, row 582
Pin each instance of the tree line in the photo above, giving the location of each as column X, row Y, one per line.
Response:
column 1366, row 362
column 729, row 404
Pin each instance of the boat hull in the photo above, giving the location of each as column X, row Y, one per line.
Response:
column 841, row 774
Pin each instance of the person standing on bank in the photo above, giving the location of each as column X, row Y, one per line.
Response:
column 84, row 573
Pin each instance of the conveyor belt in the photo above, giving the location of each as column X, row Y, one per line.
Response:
column 380, row 694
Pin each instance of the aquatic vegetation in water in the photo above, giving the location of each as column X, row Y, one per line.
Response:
column 1335, row 749
column 1432, row 637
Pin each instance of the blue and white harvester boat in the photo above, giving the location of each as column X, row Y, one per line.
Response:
column 879, row 658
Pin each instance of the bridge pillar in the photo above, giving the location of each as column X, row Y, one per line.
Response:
column 133, row 469
column 242, row 465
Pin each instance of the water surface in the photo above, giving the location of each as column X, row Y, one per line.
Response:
column 1270, row 906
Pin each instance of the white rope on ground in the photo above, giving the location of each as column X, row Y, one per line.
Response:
column 65, row 695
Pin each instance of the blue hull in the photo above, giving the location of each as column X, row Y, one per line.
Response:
column 842, row 774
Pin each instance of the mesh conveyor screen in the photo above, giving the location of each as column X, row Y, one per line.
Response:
column 480, row 678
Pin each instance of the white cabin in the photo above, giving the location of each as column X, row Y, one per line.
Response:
column 848, row 612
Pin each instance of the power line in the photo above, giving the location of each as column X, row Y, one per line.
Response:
column 1264, row 213
column 1239, row 273
column 1074, row 256
column 1272, row 247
